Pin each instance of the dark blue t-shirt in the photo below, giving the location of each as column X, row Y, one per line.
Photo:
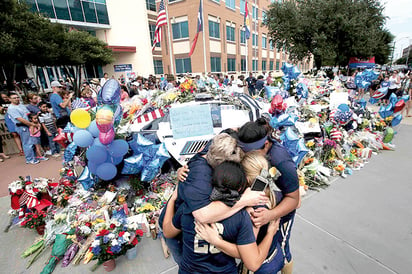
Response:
column 201, row 257
column 288, row 182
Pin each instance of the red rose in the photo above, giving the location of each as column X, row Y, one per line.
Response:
column 23, row 223
column 135, row 241
column 31, row 227
column 103, row 232
column 112, row 226
column 121, row 233
column 19, row 192
column 139, row 232
column 35, row 216
column 88, row 224
column 109, row 251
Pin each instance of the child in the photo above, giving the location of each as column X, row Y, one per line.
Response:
column 35, row 132
column 48, row 122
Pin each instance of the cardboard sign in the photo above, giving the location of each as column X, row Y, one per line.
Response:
column 190, row 121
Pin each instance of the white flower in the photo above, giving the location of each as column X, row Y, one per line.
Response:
column 115, row 242
column 85, row 230
column 126, row 236
column 111, row 236
column 95, row 243
column 132, row 226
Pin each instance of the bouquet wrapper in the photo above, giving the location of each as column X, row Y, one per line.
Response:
column 70, row 253
column 83, row 249
column 60, row 246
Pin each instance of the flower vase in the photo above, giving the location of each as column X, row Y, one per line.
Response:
column 109, row 265
column 40, row 229
column 131, row 253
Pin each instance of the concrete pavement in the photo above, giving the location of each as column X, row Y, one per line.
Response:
column 361, row 224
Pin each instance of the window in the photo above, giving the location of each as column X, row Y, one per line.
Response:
column 151, row 5
column 242, row 37
column 214, row 29
column 264, row 39
column 230, row 4
column 76, row 10
column 242, row 6
column 89, row 12
column 271, row 65
column 263, row 15
column 230, row 33
column 270, row 44
column 152, row 28
column 254, row 65
column 45, row 7
column 62, row 11
column 243, row 64
column 255, row 13
column 180, row 30
column 102, row 15
column 264, row 64
column 215, row 64
column 158, row 66
column 277, row 64
column 254, row 39
column 183, row 65
column 231, row 64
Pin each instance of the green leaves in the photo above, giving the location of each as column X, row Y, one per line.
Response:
column 332, row 31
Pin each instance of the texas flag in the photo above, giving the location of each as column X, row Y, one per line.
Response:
column 246, row 22
column 199, row 28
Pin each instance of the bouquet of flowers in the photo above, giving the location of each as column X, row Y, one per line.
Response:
column 187, row 88
column 34, row 220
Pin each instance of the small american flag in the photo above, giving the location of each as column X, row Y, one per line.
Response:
column 161, row 21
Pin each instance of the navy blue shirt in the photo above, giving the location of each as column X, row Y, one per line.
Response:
column 288, row 182
column 201, row 257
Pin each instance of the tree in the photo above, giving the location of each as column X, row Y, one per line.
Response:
column 30, row 38
column 331, row 31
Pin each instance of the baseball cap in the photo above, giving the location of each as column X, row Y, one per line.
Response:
column 55, row 84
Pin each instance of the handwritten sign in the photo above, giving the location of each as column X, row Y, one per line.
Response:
column 190, row 121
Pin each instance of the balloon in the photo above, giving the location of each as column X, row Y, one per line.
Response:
column 61, row 138
column 336, row 135
column 294, row 73
column 393, row 99
column 93, row 129
column 92, row 167
column 97, row 142
column 362, row 103
column 380, row 93
column 389, row 133
column 150, row 171
column 83, row 138
column 277, row 103
column 86, row 179
column 133, row 164
column 96, row 154
column 116, row 160
column 302, row 90
column 405, row 98
column 343, row 107
column 69, row 152
column 106, row 171
column 373, row 100
column 118, row 148
column 118, row 115
column 399, row 106
column 270, row 92
column 343, row 117
column 70, row 128
column 80, row 118
column 283, row 120
column 397, row 120
column 109, row 93
column 106, row 137
column 104, row 119
column 139, row 144
column 385, row 111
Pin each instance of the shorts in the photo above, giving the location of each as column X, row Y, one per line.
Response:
column 9, row 124
column 388, row 95
column 35, row 140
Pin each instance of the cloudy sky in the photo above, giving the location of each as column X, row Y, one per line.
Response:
column 399, row 22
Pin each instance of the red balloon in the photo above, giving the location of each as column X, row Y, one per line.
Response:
column 61, row 138
column 399, row 106
column 277, row 102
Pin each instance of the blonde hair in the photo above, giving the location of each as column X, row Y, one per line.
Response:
column 223, row 148
column 253, row 163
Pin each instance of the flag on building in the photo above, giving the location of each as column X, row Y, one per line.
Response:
column 199, row 28
column 247, row 22
column 161, row 21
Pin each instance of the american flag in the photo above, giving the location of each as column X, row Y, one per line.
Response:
column 161, row 21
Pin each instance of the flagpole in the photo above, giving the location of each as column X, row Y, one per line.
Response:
column 169, row 39
column 247, row 40
column 204, row 42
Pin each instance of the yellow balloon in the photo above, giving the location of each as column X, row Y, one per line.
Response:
column 80, row 118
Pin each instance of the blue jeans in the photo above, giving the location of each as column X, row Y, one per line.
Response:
column 26, row 142
column 54, row 147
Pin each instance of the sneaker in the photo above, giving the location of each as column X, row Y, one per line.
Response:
column 56, row 155
column 33, row 162
column 42, row 158
column 48, row 152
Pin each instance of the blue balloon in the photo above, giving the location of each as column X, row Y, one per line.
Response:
column 109, row 93
column 362, row 103
column 373, row 100
column 405, row 98
column 133, row 164
column 393, row 99
column 96, row 142
column 385, row 111
column 96, row 154
column 86, row 179
column 69, row 152
column 83, row 138
column 397, row 120
column 302, row 90
column 93, row 129
column 118, row 115
column 92, row 167
column 344, row 107
column 106, row 171
column 271, row 91
column 150, row 171
column 118, row 148
column 115, row 160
